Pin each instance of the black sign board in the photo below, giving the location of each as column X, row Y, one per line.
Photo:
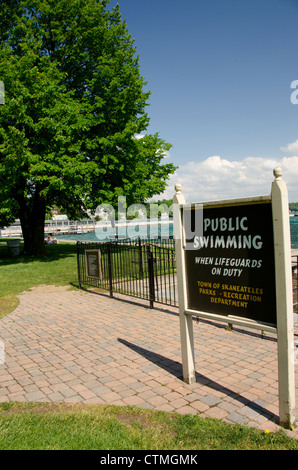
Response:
column 230, row 261
column 93, row 264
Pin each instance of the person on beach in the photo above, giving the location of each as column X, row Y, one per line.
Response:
column 50, row 240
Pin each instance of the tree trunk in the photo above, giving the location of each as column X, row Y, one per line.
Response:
column 32, row 217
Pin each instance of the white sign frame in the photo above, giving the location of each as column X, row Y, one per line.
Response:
column 97, row 253
column 284, row 302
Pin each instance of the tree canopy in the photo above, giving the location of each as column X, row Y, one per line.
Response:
column 74, row 106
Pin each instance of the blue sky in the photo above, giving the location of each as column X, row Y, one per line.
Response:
column 220, row 74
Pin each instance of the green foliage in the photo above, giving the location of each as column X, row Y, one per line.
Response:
column 161, row 206
column 293, row 206
column 74, row 102
column 152, row 209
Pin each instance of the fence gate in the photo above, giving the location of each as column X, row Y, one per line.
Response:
column 142, row 269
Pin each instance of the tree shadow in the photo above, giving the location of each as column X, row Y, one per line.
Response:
column 175, row 368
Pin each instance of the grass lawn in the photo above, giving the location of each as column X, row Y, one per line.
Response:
column 102, row 427
column 61, row 426
column 21, row 273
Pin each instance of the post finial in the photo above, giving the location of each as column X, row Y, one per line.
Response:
column 178, row 188
column 277, row 172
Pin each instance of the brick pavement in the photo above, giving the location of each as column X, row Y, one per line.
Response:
column 80, row 347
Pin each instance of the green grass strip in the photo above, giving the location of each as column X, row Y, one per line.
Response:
column 99, row 427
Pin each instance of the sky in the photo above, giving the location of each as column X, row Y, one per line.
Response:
column 220, row 75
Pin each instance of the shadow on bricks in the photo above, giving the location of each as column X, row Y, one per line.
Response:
column 175, row 368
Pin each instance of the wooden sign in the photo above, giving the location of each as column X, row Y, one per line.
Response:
column 93, row 264
column 230, row 264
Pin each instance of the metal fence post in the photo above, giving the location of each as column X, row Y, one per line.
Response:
column 79, row 265
column 141, row 259
column 110, row 269
column 151, row 276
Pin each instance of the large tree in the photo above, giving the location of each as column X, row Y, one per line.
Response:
column 74, row 104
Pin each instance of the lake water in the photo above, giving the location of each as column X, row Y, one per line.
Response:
column 152, row 231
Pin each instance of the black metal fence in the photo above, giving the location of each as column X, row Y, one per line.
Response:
column 140, row 268
column 135, row 267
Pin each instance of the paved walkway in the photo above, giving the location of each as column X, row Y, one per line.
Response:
column 79, row 347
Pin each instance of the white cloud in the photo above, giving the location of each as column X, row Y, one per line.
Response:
column 139, row 136
column 291, row 148
column 219, row 178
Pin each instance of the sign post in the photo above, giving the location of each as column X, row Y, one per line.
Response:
column 284, row 300
column 234, row 265
column 186, row 326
